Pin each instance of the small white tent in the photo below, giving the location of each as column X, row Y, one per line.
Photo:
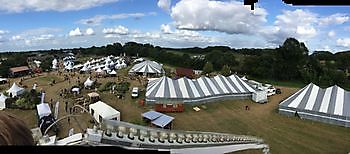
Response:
column 2, row 101
column 15, row 90
column 113, row 72
column 101, row 110
column 88, row 82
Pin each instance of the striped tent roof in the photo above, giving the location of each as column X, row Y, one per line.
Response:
column 147, row 67
column 332, row 100
column 185, row 88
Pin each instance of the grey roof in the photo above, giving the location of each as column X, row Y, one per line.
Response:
column 151, row 115
column 163, row 120
column 184, row 88
column 157, row 118
column 333, row 100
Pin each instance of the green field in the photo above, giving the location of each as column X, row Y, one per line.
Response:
column 283, row 134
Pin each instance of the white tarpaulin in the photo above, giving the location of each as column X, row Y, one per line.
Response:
column 43, row 109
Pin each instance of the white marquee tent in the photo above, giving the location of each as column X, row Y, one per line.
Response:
column 2, row 101
column 203, row 89
column 15, row 90
column 330, row 105
column 147, row 67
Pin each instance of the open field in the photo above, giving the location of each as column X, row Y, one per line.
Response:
column 283, row 134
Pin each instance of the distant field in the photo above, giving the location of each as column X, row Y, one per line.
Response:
column 294, row 84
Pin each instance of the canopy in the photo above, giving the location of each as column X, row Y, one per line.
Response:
column 75, row 90
column 330, row 105
column 99, row 70
column 15, row 90
column 43, row 110
column 93, row 94
column 2, row 101
column 88, row 82
column 158, row 118
column 196, row 90
column 151, row 115
column 147, row 67
column 113, row 72
column 163, row 120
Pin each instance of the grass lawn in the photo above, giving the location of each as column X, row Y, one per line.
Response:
column 283, row 134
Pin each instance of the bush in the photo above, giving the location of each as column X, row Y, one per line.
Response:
column 105, row 87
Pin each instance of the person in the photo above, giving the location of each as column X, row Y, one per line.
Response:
column 68, row 120
column 66, row 107
column 14, row 131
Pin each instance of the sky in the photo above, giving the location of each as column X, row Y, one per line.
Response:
column 53, row 24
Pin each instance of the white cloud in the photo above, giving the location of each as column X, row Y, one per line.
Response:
column 230, row 17
column 16, row 38
column 343, row 42
column 164, row 4
column 331, row 33
column 334, row 19
column 43, row 37
column 300, row 24
column 98, row 19
column 306, row 31
column 3, row 32
column 165, row 28
column 90, row 31
column 50, row 5
column 75, row 32
column 121, row 30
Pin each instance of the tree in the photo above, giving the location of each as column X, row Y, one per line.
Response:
column 208, row 68
column 290, row 58
column 225, row 71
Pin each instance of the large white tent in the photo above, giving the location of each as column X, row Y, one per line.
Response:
column 15, row 90
column 330, row 105
column 101, row 110
column 147, row 67
column 2, row 101
column 203, row 89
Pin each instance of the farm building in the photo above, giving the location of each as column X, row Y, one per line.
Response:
column 330, row 105
column 147, row 68
column 101, row 110
column 19, row 71
column 165, row 90
column 184, row 72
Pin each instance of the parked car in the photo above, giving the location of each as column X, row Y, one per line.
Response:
column 135, row 92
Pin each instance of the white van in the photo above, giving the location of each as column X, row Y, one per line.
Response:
column 135, row 92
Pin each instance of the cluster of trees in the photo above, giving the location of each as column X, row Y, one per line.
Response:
column 292, row 62
column 289, row 62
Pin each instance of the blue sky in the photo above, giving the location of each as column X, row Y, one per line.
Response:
column 35, row 25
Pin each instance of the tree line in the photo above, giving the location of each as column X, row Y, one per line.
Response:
column 291, row 61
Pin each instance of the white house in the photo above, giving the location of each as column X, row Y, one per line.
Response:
column 101, row 110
